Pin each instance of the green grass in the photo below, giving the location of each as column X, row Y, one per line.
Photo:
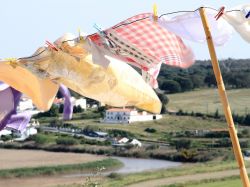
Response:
column 167, row 124
column 227, row 183
column 231, row 181
column 207, row 101
column 53, row 170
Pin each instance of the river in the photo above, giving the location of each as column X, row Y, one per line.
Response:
column 134, row 165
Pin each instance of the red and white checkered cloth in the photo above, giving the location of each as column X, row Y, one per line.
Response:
column 156, row 42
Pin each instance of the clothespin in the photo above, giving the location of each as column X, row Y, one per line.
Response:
column 102, row 35
column 248, row 14
column 98, row 29
column 51, row 46
column 155, row 13
column 12, row 62
column 220, row 13
column 79, row 33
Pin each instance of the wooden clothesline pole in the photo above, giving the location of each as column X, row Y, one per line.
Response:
column 224, row 101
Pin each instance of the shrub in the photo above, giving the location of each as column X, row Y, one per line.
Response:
column 152, row 147
column 56, row 123
column 121, row 133
column 53, row 112
column 216, row 114
column 182, row 144
column 224, row 142
column 245, row 132
column 150, row 130
column 77, row 109
column 40, row 139
column 115, row 176
column 66, row 141
column 6, row 137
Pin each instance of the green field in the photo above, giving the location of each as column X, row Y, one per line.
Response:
column 227, row 183
column 208, row 101
column 167, row 124
column 60, row 169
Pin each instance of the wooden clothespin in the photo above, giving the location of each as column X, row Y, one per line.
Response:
column 155, row 13
column 220, row 13
column 12, row 62
column 79, row 33
column 51, row 46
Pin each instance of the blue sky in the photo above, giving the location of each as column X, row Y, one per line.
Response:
column 26, row 24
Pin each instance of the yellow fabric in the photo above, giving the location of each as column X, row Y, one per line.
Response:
column 41, row 91
column 117, row 85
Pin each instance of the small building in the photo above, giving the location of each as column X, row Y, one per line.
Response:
column 96, row 134
column 80, row 102
column 25, row 104
column 136, row 142
column 123, row 140
column 5, row 132
column 126, row 115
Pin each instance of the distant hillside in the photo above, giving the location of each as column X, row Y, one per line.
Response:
column 236, row 74
column 207, row 101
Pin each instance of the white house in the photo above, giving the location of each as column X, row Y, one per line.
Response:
column 25, row 104
column 5, row 132
column 136, row 142
column 79, row 102
column 123, row 140
column 22, row 135
column 126, row 115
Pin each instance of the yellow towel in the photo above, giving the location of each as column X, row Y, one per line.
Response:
column 41, row 91
column 117, row 85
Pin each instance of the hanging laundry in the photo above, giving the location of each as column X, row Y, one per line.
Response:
column 68, row 106
column 240, row 20
column 19, row 121
column 117, row 85
column 144, row 44
column 9, row 98
column 150, row 76
column 189, row 26
column 42, row 91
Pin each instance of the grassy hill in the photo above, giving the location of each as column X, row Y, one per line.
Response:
column 208, row 101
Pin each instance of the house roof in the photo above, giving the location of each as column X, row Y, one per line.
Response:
column 58, row 100
column 101, row 133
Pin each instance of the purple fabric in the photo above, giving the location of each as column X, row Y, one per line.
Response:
column 9, row 99
column 68, row 106
column 19, row 121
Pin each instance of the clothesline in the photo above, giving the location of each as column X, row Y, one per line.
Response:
column 169, row 13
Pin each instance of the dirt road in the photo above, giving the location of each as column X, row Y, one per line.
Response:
column 29, row 158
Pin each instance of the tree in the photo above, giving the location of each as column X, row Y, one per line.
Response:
column 61, row 107
column 198, row 80
column 164, row 100
column 185, row 83
column 210, row 79
column 77, row 109
column 170, row 86
column 53, row 112
column 56, row 123
column 247, row 119
column 183, row 144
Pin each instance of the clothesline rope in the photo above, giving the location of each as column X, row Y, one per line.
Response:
column 169, row 13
